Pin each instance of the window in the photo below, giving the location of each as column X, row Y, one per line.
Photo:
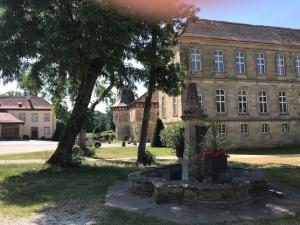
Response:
column 283, row 105
column 174, row 106
column 195, row 60
column 265, row 128
column 240, row 63
column 163, row 104
column 46, row 130
column 243, row 104
column 220, row 101
column 47, row 117
column 219, row 62
column 263, row 102
column 200, row 98
column 280, row 65
column 34, row 117
column 244, row 128
column 297, row 65
column 222, row 128
column 22, row 116
column 260, row 64
column 285, row 128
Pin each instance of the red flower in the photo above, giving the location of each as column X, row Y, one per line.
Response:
column 214, row 153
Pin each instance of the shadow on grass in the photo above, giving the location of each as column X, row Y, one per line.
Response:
column 55, row 184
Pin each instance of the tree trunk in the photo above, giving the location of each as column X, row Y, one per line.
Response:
column 82, row 139
column 75, row 123
column 148, row 101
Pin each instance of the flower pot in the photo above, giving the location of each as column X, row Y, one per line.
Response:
column 214, row 165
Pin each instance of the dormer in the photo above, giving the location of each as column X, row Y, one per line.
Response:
column 20, row 104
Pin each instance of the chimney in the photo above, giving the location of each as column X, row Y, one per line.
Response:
column 29, row 102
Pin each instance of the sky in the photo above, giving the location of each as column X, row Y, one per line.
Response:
column 280, row 13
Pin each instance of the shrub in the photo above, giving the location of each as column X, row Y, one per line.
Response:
column 25, row 137
column 156, row 141
column 148, row 159
column 60, row 127
column 89, row 152
column 75, row 157
column 173, row 135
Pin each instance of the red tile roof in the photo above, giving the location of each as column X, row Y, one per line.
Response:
column 6, row 118
column 26, row 103
column 242, row 32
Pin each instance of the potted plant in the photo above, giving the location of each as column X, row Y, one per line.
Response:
column 215, row 152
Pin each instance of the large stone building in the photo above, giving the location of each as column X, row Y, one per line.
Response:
column 26, row 116
column 128, row 115
column 247, row 76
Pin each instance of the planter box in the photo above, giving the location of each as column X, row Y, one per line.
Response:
column 214, row 165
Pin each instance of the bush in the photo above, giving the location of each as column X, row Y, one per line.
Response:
column 25, row 137
column 148, row 159
column 89, row 152
column 173, row 135
column 60, row 127
column 75, row 157
column 156, row 141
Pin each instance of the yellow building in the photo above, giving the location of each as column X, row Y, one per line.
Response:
column 26, row 116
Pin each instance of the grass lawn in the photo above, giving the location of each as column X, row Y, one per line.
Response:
column 271, row 151
column 27, row 188
column 32, row 155
column 131, row 152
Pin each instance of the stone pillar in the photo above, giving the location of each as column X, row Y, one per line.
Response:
column 195, row 131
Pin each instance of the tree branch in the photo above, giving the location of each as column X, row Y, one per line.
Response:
column 102, row 97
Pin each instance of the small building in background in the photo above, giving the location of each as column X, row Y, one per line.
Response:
column 26, row 117
column 128, row 115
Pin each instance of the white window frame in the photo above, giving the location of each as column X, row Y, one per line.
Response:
column 219, row 61
column 265, row 128
column 220, row 101
column 244, row 128
column 297, row 65
column 175, row 109
column 242, row 102
column 263, row 102
column 260, row 64
column 285, row 128
column 240, row 63
column 222, row 129
column 196, row 64
column 200, row 97
column 163, row 107
column 283, row 102
column 47, row 117
column 32, row 117
column 44, row 131
column 280, row 64
column 22, row 116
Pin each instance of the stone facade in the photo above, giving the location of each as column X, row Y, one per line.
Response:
column 128, row 118
column 281, row 128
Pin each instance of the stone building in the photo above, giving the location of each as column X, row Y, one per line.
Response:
column 247, row 76
column 128, row 115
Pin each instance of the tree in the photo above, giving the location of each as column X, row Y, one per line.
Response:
column 156, row 141
column 154, row 49
column 65, row 47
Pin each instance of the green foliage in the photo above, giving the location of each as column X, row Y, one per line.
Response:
column 173, row 135
column 60, row 126
column 148, row 158
column 215, row 140
column 89, row 151
column 156, row 141
column 102, row 122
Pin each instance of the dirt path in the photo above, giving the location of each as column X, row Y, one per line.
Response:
column 65, row 213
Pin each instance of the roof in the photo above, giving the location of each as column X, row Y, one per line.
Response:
column 25, row 103
column 242, row 32
column 126, row 97
column 6, row 117
column 142, row 99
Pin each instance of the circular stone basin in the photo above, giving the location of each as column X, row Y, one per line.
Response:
column 164, row 184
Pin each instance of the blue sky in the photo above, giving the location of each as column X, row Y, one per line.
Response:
column 281, row 13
